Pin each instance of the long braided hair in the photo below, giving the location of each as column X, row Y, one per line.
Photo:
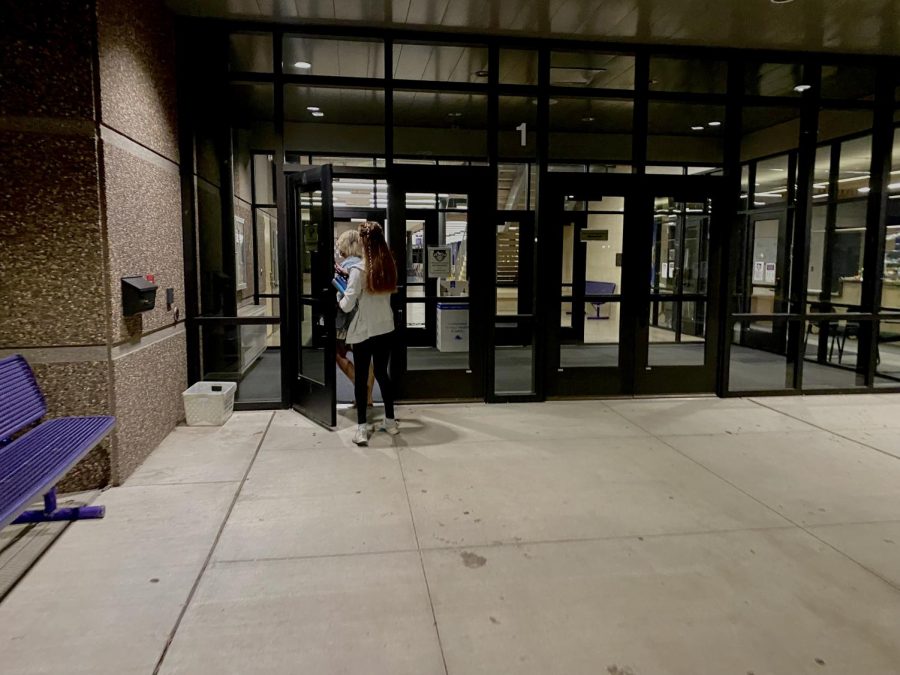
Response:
column 381, row 271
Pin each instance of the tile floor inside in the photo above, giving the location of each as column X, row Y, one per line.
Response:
column 635, row 536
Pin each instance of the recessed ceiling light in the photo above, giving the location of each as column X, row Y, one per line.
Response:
column 714, row 124
column 303, row 65
column 863, row 190
column 312, row 108
column 894, row 186
column 318, row 114
column 696, row 128
column 553, row 101
column 588, row 118
column 481, row 73
column 800, row 88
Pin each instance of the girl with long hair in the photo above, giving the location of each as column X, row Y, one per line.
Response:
column 348, row 254
column 370, row 334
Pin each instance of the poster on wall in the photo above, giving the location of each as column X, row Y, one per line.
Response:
column 770, row 273
column 759, row 271
column 438, row 262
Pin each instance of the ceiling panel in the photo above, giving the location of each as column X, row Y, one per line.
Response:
column 865, row 26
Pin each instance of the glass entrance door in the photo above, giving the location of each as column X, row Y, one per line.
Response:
column 440, row 232
column 635, row 258
column 678, row 312
column 311, row 297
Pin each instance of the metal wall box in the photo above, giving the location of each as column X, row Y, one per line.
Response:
column 138, row 295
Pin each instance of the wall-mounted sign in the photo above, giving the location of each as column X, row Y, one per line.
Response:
column 438, row 262
column 770, row 273
column 595, row 235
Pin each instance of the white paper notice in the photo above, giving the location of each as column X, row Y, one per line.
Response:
column 759, row 270
column 770, row 273
column 438, row 262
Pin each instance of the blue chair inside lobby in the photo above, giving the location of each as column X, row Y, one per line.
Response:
column 598, row 288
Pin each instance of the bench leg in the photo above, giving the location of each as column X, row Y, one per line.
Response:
column 53, row 514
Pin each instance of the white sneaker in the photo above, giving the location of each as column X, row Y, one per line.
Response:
column 362, row 434
column 391, row 426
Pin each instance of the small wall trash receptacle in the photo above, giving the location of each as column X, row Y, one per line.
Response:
column 209, row 404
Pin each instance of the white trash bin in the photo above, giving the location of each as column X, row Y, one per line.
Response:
column 205, row 407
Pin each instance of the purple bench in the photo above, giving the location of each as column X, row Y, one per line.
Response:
column 32, row 463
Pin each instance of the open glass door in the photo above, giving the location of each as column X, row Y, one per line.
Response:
column 311, row 297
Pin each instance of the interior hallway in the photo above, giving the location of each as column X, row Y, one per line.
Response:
column 635, row 536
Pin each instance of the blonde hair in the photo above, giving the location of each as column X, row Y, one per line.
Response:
column 381, row 271
column 349, row 244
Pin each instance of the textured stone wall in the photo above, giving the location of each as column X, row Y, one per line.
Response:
column 142, row 200
column 91, row 193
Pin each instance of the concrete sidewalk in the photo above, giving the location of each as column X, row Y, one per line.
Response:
column 685, row 536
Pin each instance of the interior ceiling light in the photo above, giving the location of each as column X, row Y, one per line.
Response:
column 800, row 88
column 312, row 108
column 714, row 124
column 894, row 186
column 697, row 128
column 454, row 114
column 318, row 114
column 481, row 73
column 781, row 2
column 303, row 65
column 863, row 190
column 588, row 118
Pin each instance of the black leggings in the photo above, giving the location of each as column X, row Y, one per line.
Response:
column 377, row 349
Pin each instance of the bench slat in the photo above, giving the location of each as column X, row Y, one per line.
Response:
column 35, row 462
column 21, row 400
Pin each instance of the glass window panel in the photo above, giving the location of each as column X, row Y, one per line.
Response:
column 250, row 52
column 855, row 163
column 769, row 131
column 514, row 141
column 699, row 76
column 686, row 132
column 591, row 129
column 852, row 83
column 264, row 179
column 334, row 119
column 773, row 79
column 599, row 347
column 342, row 161
column 822, row 173
column 831, row 350
column 514, row 364
column 758, row 360
column 311, row 246
column 772, row 180
column 602, row 239
column 745, row 187
column 891, row 287
column 592, row 70
column 312, row 344
column 837, row 124
column 440, row 124
column 677, row 333
column 440, row 63
column 767, row 294
column 887, row 370
column 848, row 248
column 817, row 237
column 332, row 57
column 247, row 355
column 518, row 66
column 515, row 190
column 267, row 251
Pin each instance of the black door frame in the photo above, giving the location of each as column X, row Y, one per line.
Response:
column 475, row 182
column 633, row 376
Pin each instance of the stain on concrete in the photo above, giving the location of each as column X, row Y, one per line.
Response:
column 820, row 662
column 494, row 621
column 472, row 560
column 619, row 670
